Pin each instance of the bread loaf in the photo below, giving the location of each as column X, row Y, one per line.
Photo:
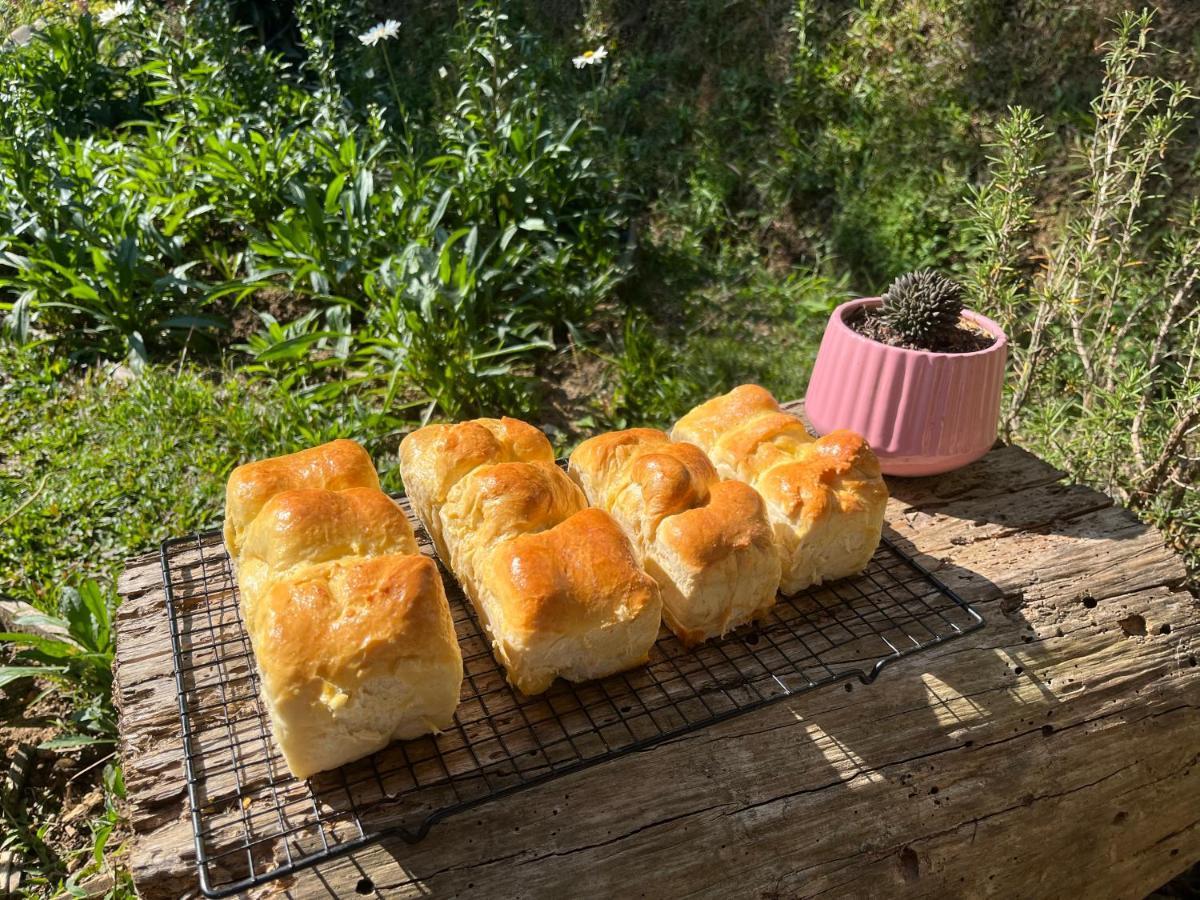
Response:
column 825, row 496
column 350, row 627
column 434, row 462
column 556, row 585
column 354, row 654
column 706, row 542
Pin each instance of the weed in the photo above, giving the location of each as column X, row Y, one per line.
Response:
column 80, row 660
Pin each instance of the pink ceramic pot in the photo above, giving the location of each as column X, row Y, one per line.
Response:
column 923, row 413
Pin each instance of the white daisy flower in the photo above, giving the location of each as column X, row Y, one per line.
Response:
column 382, row 31
column 590, row 57
column 114, row 12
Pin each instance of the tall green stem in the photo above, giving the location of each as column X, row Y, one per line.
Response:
column 387, row 60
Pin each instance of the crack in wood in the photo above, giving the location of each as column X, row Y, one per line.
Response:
column 622, row 837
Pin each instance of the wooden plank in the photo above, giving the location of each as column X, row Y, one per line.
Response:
column 1054, row 752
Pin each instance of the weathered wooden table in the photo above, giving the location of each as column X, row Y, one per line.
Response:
column 1054, row 753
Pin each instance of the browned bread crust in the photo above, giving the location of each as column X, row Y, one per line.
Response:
column 706, row 542
column 557, row 586
column 334, row 466
column 825, row 496
column 355, row 654
column 350, row 626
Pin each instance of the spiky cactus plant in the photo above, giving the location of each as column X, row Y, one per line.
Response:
column 920, row 303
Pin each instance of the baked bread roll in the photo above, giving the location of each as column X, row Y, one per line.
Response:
column 707, row 542
column 825, row 496
column 334, row 466
column 298, row 529
column 557, row 586
column 435, row 461
column 351, row 630
column 354, row 654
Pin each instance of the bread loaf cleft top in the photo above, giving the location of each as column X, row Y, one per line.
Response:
column 571, row 601
column 297, row 529
column 706, row 542
column 435, row 458
column 334, row 466
column 825, row 496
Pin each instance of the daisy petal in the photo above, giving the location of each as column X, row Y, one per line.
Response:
column 590, row 57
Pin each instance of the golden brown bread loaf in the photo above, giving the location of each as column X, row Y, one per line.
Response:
column 825, row 497
column 434, row 462
column 354, row 654
column 557, row 586
column 350, row 627
column 297, row 529
column 707, row 542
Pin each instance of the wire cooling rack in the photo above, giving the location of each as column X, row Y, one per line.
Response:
column 254, row 821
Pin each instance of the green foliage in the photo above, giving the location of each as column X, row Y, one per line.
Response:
column 103, row 247
column 133, row 461
column 80, row 660
column 102, row 830
column 1105, row 332
column 67, row 80
column 1000, row 218
column 918, row 304
column 103, row 218
column 652, row 386
column 18, row 13
column 751, row 325
column 434, row 331
column 426, row 226
column 871, row 90
column 122, row 236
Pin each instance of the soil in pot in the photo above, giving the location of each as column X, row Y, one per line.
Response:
column 962, row 337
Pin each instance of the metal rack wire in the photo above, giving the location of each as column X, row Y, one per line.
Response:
column 254, row 822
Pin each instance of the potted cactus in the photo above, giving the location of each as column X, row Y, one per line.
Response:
column 915, row 373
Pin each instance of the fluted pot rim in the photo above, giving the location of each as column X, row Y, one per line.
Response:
column 838, row 320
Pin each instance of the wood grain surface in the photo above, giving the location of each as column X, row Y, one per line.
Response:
column 1054, row 753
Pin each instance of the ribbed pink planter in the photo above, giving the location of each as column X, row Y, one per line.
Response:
column 922, row 413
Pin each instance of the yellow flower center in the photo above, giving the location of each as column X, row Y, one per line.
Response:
column 588, row 54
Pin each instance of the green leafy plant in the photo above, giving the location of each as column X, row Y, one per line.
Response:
column 70, row 81
column 74, row 650
column 95, row 236
column 435, row 329
column 651, row 385
column 1000, row 218
column 295, row 354
column 102, row 828
column 919, row 304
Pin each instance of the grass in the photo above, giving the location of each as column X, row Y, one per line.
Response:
column 93, row 469
column 102, row 465
column 227, row 232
